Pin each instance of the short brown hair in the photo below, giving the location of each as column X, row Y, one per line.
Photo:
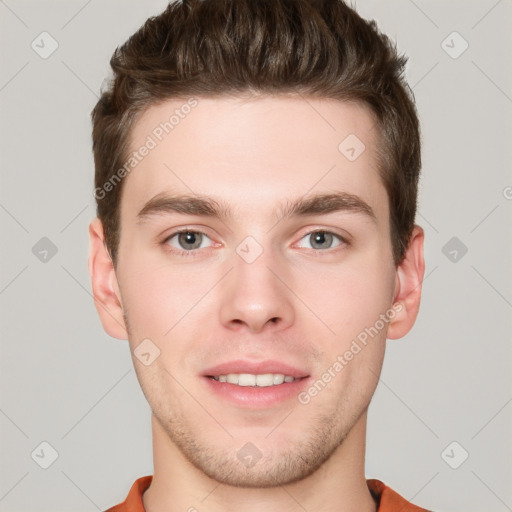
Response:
column 317, row 48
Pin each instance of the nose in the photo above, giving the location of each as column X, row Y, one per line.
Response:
column 255, row 296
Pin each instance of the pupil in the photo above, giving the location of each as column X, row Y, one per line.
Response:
column 188, row 237
column 320, row 237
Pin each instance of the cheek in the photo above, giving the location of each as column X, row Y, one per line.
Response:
column 352, row 297
column 156, row 297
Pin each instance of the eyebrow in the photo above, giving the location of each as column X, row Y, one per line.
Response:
column 205, row 206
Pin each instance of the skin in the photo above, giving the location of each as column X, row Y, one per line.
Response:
column 298, row 302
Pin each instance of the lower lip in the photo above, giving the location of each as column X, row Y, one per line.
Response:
column 254, row 397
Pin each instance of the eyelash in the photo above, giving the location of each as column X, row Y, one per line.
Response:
column 194, row 252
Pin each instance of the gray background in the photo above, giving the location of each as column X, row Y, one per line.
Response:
column 66, row 382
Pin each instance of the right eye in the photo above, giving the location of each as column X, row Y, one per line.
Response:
column 186, row 240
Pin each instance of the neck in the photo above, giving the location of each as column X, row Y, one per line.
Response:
column 338, row 485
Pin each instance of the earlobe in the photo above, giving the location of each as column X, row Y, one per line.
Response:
column 410, row 274
column 107, row 298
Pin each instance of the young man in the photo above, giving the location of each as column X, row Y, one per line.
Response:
column 257, row 165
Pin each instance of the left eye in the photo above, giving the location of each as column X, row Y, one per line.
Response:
column 322, row 239
column 187, row 240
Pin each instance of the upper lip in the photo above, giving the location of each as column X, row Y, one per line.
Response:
column 255, row 368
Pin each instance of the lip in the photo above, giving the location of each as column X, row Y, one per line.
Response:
column 261, row 367
column 254, row 397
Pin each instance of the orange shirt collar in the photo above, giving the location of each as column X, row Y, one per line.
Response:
column 386, row 498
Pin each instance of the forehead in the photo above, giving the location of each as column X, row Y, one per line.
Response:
column 253, row 153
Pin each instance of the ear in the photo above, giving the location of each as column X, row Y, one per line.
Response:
column 409, row 278
column 107, row 297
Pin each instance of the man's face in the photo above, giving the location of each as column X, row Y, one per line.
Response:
column 255, row 287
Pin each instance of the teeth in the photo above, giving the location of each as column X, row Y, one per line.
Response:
column 265, row 380
column 278, row 378
column 248, row 379
column 232, row 378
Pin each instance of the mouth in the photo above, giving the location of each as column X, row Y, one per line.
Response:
column 255, row 385
column 263, row 380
